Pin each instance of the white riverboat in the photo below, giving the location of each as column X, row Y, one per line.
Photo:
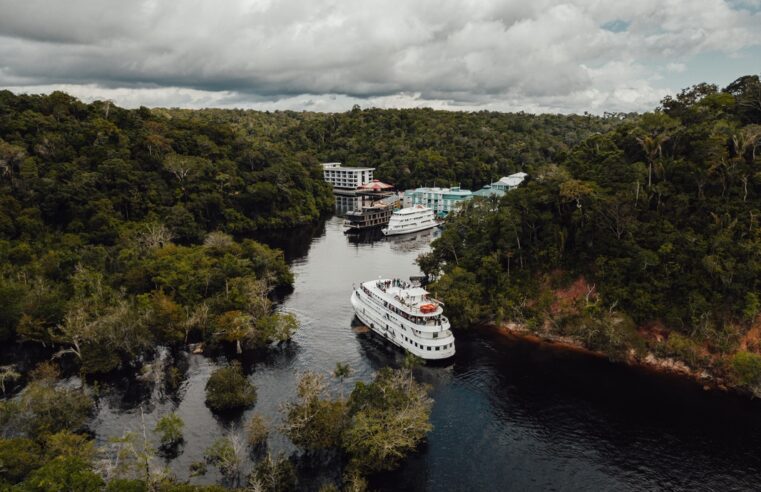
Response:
column 410, row 219
column 406, row 316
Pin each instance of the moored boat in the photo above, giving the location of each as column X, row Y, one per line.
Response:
column 405, row 315
column 410, row 219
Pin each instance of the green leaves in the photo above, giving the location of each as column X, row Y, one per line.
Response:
column 379, row 425
column 43, row 409
column 314, row 421
column 229, row 389
column 746, row 367
column 661, row 214
column 388, row 420
column 169, row 429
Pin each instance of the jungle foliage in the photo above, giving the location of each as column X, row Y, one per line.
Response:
column 417, row 147
column 660, row 216
column 122, row 229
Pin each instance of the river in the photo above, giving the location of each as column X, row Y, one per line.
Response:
column 508, row 414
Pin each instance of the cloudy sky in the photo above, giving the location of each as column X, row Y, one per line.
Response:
column 327, row 55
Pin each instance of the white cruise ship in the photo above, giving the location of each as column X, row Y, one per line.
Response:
column 410, row 219
column 406, row 316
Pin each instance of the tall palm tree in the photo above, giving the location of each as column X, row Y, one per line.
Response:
column 652, row 145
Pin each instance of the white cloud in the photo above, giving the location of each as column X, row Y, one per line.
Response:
column 327, row 54
column 676, row 67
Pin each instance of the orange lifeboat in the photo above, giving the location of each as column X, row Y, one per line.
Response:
column 427, row 308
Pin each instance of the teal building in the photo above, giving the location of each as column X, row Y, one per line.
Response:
column 440, row 200
column 499, row 188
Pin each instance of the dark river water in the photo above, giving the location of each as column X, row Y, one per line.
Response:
column 508, row 414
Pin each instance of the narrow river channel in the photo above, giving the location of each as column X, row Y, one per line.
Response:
column 508, row 415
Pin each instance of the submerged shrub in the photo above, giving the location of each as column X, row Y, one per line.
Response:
column 226, row 454
column 390, row 417
column 228, row 389
column 169, row 429
column 256, row 430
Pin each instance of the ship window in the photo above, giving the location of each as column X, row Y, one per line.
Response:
column 437, row 348
column 429, row 348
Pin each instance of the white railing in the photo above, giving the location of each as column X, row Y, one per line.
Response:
column 432, row 320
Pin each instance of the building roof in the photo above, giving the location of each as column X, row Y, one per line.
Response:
column 376, row 185
column 489, row 191
column 455, row 190
column 459, row 193
column 513, row 180
column 338, row 165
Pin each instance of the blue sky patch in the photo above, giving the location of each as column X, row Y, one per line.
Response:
column 616, row 25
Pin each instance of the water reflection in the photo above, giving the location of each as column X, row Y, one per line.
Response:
column 415, row 241
column 346, row 203
column 366, row 236
column 404, row 243
column 294, row 243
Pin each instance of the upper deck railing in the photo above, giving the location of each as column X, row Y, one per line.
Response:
column 411, row 313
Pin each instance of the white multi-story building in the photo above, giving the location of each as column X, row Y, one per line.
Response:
column 348, row 178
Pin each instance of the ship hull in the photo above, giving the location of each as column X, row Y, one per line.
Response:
column 408, row 231
column 374, row 318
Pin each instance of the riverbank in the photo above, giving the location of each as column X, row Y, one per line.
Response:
column 650, row 362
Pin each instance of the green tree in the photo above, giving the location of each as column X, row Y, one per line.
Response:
column 43, row 409
column 68, row 444
column 389, row 419
column 229, row 389
column 18, row 457
column 256, row 431
column 273, row 475
column 169, row 429
column 277, row 327
column 314, row 421
column 746, row 367
column 236, row 327
column 64, row 474
column 226, row 453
